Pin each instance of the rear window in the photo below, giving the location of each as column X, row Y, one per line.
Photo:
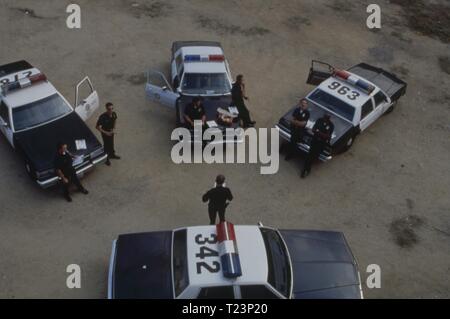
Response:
column 180, row 264
column 277, row 261
column 257, row 292
column 220, row 292
column 333, row 104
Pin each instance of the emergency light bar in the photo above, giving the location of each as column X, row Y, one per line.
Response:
column 204, row 58
column 23, row 83
column 229, row 257
column 363, row 85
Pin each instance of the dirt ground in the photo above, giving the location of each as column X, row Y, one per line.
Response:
column 389, row 194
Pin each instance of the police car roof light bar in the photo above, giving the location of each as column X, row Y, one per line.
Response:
column 342, row 74
column 23, row 83
column 229, row 256
column 216, row 58
column 192, row 58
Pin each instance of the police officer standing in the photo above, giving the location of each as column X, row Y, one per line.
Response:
column 64, row 169
column 238, row 95
column 218, row 197
column 106, row 124
column 195, row 112
column 299, row 120
column 323, row 130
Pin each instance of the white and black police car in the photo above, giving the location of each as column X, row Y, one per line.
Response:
column 233, row 262
column 34, row 117
column 354, row 99
column 198, row 69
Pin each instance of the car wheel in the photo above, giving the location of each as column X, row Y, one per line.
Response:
column 391, row 108
column 348, row 143
column 30, row 171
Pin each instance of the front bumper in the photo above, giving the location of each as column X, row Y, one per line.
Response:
column 301, row 146
column 47, row 183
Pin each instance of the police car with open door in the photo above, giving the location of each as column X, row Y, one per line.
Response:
column 34, row 117
column 354, row 98
column 227, row 261
column 198, row 68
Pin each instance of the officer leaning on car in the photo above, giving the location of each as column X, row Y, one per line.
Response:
column 106, row 124
column 299, row 120
column 323, row 131
column 195, row 112
column 238, row 95
column 64, row 169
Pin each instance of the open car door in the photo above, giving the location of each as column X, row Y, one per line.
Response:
column 159, row 90
column 86, row 99
column 319, row 72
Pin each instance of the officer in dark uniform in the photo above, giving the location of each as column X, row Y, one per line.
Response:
column 106, row 124
column 218, row 197
column 323, row 130
column 195, row 112
column 299, row 120
column 238, row 95
column 64, row 169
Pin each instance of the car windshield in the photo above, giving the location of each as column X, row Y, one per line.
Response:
column 205, row 83
column 39, row 112
column 278, row 261
column 333, row 104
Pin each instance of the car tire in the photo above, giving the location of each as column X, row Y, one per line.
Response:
column 391, row 108
column 348, row 143
column 30, row 171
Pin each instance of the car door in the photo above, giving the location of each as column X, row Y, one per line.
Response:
column 319, row 72
column 5, row 123
column 159, row 90
column 382, row 102
column 368, row 115
column 86, row 99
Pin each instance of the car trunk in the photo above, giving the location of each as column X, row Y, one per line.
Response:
column 323, row 265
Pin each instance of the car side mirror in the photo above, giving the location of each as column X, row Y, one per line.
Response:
column 164, row 88
column 4, row 124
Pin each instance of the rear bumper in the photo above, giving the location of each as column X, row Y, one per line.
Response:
column 301, row 146
column 47, row 183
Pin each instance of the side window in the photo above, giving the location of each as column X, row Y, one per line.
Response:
column 4, row 112
column 221, row 292
column 257, row 292
column 366, row 109
column 180, row 264
column 379, row 98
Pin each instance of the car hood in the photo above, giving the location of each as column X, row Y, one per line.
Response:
column 210, row 103
column 39, row 144
column 142, row 266
column 323, row 265
column 340, row 126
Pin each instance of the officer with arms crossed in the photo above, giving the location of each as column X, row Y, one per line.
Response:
column 323, row 131
column 299, row 120
column 218, row 197
column 64, row 169
column 194, row 112
column 106, row 124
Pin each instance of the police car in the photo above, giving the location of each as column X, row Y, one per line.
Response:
column 34, row 116
column 198, row 69
column 354, row 98
column 227, row 261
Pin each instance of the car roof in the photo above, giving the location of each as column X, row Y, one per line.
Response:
column 356, row 103
column 250, row 248
column 203, row 67
column 28, row 94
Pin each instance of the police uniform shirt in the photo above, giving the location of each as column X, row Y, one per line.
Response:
column 64, row 162
column 237, row 94
column 323, row 126
column 107, row 122
column 194, row 113
column 218, row 196
column 301, row 115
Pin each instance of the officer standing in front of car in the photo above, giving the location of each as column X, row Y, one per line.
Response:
column 217, row 197
column 106, row 124
column 299, row 120
column 323, row 131
column 238, row 95
column 64, row 169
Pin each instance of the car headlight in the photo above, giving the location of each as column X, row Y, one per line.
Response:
column 99, row 151
column 46, row 173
